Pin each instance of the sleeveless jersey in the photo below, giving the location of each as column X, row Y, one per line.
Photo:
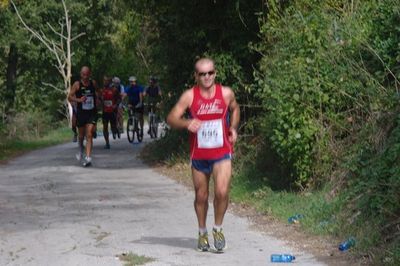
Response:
column 108, row 100
column 89, row 106
column 211, row 141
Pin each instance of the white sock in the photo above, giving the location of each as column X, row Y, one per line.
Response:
column 203, row 231
column 217, row 227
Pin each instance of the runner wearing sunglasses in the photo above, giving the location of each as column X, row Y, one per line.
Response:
column 213, row 123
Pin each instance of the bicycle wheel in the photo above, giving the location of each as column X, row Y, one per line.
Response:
column 151, row 125
column 129, row 130
column 154, row 127
column 137, row 131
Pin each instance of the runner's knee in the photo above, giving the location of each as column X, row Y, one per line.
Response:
column 201, row 196
column 221, row 193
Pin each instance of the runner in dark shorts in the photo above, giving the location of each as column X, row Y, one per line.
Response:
column 110, row 97
column 84, row 94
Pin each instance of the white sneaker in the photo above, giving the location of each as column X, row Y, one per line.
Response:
column 87, row 161
column 79, row 156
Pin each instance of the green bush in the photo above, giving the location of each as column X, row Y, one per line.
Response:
column 29, row 125
column 315, row 86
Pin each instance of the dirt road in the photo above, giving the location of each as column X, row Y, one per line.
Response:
column 54, row 212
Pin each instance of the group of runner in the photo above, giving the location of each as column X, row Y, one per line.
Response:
column 212, row 123
column 88, row 100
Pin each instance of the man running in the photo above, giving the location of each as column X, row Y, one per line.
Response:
column 135, row 99
column 110, row 97
column 84, row 93
column 213, row 123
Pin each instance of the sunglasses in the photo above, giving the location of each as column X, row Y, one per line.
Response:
column 203, row 74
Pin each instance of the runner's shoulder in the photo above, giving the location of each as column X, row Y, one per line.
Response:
column 227, row 92
column 76, row 85
column 94, row 83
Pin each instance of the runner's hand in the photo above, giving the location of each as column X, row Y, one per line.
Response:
column 82, row 99
column 194, row 125
column 232, row 135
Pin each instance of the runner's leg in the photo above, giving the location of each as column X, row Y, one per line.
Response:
column 73, row 126
column 105, row 130
column 222, row 172
column 81, row 137
column 89, row 138
column 120, row 119
column 113, row 123
column 200, row 183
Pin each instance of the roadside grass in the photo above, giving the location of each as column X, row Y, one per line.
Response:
column 317, row 213
column 131, row 259
column 321, row 214
column 9, row 148
column 336, row 217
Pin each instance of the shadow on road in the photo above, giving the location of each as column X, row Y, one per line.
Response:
column 179, row 242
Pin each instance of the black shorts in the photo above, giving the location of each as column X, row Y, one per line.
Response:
column 109, row 117
column 84, row 118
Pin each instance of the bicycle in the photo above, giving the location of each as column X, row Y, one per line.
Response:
column 132, row 126
column 153, row 122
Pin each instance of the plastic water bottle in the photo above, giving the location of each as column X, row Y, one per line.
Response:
column 295, row 218
column 282, row 258
column 350, row 242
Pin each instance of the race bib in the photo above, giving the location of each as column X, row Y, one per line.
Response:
column 210, row 134
column 88, row 104
column 108, row 103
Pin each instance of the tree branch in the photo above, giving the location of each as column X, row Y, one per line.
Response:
column 53, row 86
column 56, row 32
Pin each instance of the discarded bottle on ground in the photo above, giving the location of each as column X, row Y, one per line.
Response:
column 350, row 242
column 282, row 258
column 295, row 218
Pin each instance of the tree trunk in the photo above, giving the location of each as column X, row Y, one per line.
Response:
column 11, row 77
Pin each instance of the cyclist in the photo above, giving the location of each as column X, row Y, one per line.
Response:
column 153, row 93
column 110, row 97
column 120, row 114
column 85, row 94
column 135, row 99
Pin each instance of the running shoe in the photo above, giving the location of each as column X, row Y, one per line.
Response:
column 202, row 244
column 79, row 156
column 107, row 146
column 114, row 135
column 75, row 138
column 87, row 161
column 219, row 240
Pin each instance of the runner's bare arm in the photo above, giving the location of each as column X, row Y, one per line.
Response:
column 175, row 118
column 234, row 108
column 72, row 93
